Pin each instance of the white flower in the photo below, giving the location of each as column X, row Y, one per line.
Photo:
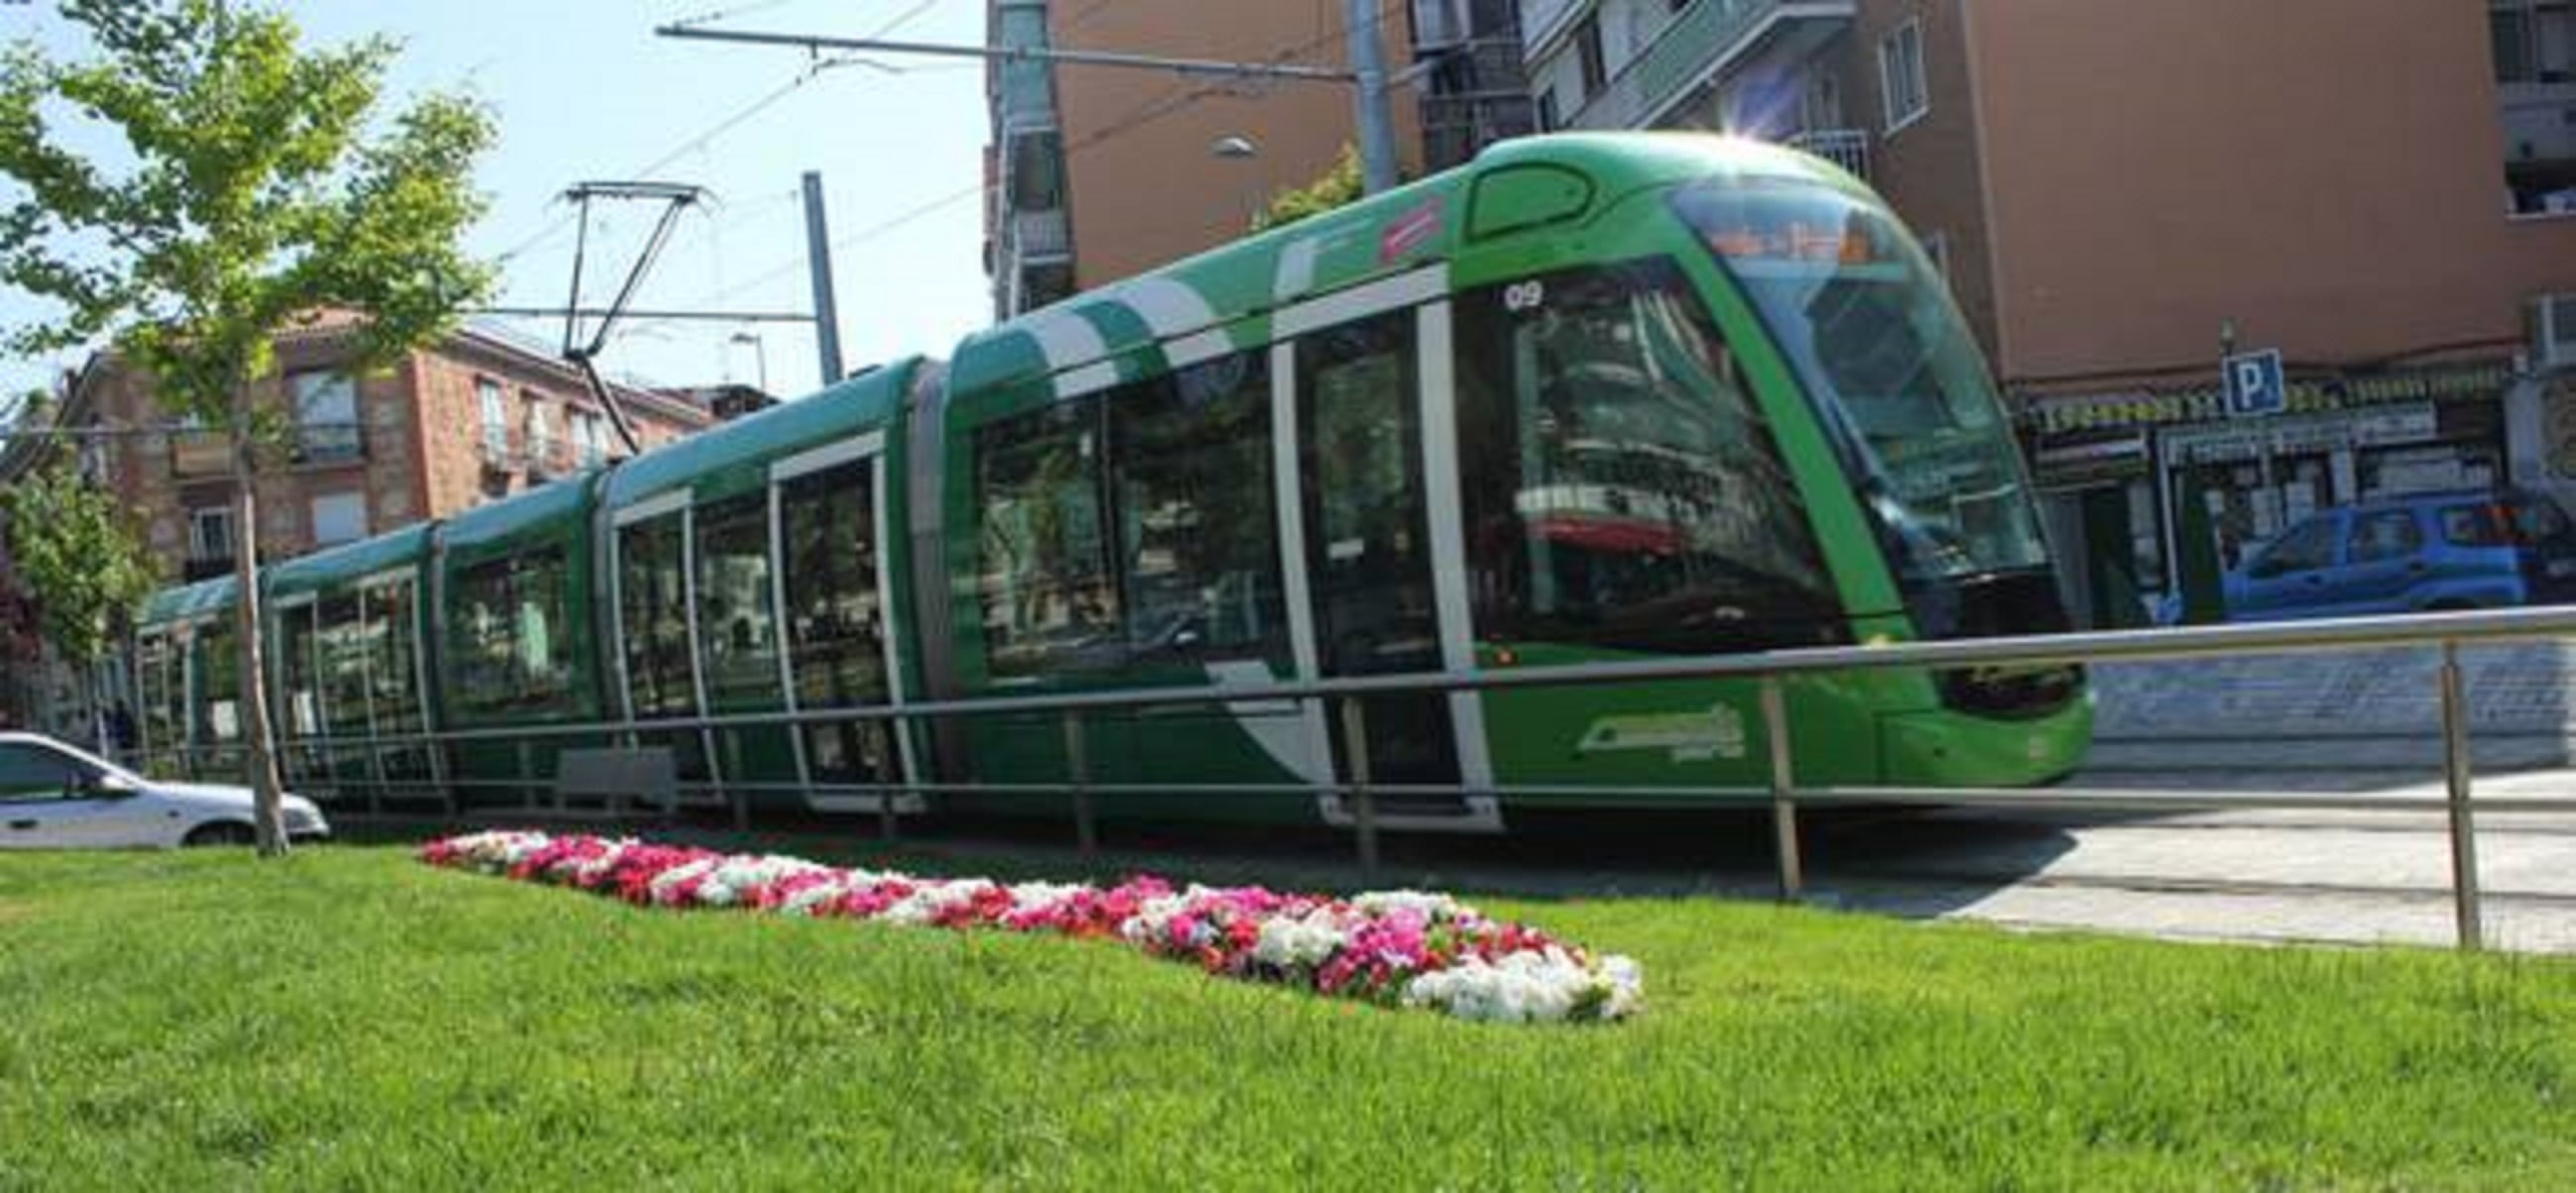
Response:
column 1309, row 940
column 1432, row 906
column 925, row 904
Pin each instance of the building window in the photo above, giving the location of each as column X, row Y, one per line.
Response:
column 496, row 418
column 1900, row 76
column 540, row 434
column 326, row 417
column 583, row 429
column 2534, row 40
column 210, row 534
column 1587, row 52
column 1548, row 120
column 339, row 518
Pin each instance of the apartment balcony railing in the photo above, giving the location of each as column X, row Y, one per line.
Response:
column 1041, row 235
column 1694, row 48
column 1845, row 147
column 330, row 443
column 200, row 453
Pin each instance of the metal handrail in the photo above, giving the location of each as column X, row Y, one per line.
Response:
column 2446, row 631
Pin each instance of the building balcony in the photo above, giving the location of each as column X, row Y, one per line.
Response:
column 200, row 453
column 1695, row 49
column 1845, row 147
column 330, row 443
column 1041, row 235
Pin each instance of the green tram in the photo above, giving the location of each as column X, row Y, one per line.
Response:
column 1590, row 397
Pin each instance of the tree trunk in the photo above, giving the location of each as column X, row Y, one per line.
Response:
column 268, row 813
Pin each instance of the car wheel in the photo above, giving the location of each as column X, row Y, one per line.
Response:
column 221, row 832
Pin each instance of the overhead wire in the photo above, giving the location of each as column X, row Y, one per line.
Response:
column 1178, row 96
column 741, row 116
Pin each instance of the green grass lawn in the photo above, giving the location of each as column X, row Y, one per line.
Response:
column 349, row 1018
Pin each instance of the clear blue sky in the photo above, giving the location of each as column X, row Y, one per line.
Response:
column 584, row 90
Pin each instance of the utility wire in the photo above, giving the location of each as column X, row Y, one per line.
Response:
column 1173, row 99
column 738, row 118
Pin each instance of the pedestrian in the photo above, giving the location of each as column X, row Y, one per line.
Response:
column 120, row 728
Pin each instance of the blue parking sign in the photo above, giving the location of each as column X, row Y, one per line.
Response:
column 2254, row 385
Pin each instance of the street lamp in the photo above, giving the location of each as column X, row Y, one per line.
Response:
column 1241, row 149
column 760, row 354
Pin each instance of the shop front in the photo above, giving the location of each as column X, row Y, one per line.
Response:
column 2121, row 473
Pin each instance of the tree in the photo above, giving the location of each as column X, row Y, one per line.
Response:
column 77, row 555
column 252, row 192
column 1336, row 186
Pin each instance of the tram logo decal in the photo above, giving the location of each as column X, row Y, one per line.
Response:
column 1689, row 736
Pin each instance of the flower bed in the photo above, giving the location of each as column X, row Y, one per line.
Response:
column 1397, row 948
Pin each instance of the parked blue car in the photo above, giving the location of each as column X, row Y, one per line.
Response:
column 2426, row 551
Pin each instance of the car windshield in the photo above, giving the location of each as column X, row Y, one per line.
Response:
column 1868, row 326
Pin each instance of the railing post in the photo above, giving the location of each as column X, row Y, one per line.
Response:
column 1077, row 761
column 1355, row 755
column 2456, row 766
column 889, row 819
column 1784, row 805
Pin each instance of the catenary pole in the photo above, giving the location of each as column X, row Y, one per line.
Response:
column 818, row 257
column 1376, row 121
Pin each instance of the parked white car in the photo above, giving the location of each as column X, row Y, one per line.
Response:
column 58, row 796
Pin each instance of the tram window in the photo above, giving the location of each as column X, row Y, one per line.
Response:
column 295, row 646
column 164, row 704
column 1368, row 545
column 1198, row 549
column 828, row 522
column 1048, row 598
column 733, row 600
column 343, row 649
column 653, row 600
column 1621, row 487
column 835, row 622
column 393, row 627
column 510, row 650
column 219, row 685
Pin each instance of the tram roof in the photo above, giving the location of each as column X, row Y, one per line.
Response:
column 349, row 563
column 569, row 498
column 186, row 602
column 1557, row 180
column 867, row 400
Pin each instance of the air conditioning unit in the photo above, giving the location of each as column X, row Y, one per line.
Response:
column 2552, row 323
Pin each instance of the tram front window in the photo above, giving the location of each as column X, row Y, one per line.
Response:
column 1869, row 328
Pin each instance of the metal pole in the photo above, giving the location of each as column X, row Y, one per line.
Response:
column 1376, row 122
column 889, row 819
column 1784, row 806
column 1355, row 754
column 2456, row 764
column 818, row 257
column 1077, row 761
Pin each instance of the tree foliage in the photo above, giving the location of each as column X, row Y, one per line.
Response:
column 79, row 558
column 1336, row 186
column 250, row 185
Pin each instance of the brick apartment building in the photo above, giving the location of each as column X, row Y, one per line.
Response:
column 1097, row 174
column 2383, row 190
column 475, row 417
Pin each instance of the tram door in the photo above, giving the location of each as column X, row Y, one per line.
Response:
column 835, row 600
column 1371, row 541
column 657, row 612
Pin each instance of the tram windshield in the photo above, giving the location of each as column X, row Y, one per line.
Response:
column 1868, row 326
